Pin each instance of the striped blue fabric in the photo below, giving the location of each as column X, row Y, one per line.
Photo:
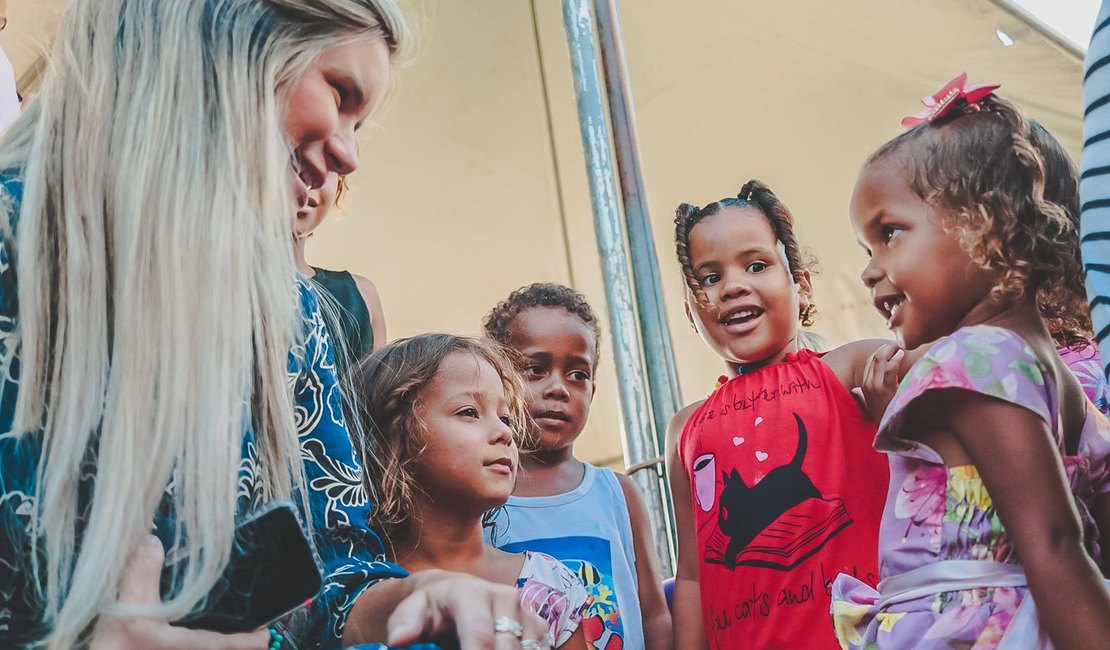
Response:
column 1094, row 183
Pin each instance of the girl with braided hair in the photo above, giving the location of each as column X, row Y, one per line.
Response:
column 998, row 461
column 773, row 475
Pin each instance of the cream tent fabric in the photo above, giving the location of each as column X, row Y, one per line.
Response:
column 474, row 184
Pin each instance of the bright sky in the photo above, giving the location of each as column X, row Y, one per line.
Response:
column 1074, row 19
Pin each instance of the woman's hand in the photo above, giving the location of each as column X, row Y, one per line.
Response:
column 140, row 586
column 431, row 604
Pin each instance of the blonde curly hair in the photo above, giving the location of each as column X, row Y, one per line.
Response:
column 385, row 389
column 985, row 171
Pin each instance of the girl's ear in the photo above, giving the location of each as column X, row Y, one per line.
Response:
column 805, row 291
column 689, row 314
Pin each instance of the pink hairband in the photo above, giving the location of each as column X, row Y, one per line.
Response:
column 954, row 93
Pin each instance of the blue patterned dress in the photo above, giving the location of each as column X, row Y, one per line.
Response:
column 351, row 553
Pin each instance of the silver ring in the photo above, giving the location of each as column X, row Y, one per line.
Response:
column 504, row 624
column 534, row 645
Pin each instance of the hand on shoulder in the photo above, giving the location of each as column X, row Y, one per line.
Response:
column 429, row 604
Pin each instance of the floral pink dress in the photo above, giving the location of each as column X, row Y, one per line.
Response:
column 555, row 593
column 1086, row 364
column 951, row 577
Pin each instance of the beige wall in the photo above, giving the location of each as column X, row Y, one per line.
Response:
column 468, row 191
column 458, row 201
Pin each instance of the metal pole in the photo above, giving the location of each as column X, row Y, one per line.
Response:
column 662, row 375
column 635, row 408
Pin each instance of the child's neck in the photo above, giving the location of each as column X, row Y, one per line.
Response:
column 442, row 538
column 298, row 257
column 1023, row 318
column 792, row 346
column 547, row 472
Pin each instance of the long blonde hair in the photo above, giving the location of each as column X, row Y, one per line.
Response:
column 155, row 279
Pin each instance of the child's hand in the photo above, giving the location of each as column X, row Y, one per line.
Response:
column 880, row 379
column 139, row 586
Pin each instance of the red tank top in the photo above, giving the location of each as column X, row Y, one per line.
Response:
column 787, row 493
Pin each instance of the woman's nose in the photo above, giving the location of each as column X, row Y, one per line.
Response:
column 343, row 154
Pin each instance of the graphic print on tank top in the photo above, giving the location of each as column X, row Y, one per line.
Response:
column 591, row 560
column 773, row 520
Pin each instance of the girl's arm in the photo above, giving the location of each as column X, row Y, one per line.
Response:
column 1018, row 461
column 653, row 605
column 688, row 627
column 1101, row 513
column 373, row 300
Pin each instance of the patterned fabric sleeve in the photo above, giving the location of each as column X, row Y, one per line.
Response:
column 551, row 590
column 981, row 359
column 352, row 554
column 1086, row 364
column 1094, row 183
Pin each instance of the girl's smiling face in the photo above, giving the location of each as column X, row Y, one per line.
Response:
column 921, row 279
column 317, row 206
column 754, row 304
column 470, row 455
column 326, row 105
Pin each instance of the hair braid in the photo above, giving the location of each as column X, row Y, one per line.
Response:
column 685, row 216
column 782, row 223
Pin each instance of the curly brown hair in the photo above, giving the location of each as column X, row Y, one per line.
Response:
column 1007, row 191
column 1068, row 314
column 498, row 323
column 386, row 388
column 753, row 194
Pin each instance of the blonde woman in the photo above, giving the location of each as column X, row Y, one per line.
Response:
column 157, row 361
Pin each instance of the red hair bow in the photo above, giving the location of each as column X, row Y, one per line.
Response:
column 939, row 103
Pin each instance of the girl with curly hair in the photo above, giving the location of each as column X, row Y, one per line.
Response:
column 441, row 417
column 773, row 474
column 998, row 461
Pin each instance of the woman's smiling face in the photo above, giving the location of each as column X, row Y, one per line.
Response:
column 326, row 105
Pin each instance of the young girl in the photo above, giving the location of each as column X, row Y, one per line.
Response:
column 773, row 474
column 591, row 518
column 998, row 462
column 350, row 303
column 442, row 414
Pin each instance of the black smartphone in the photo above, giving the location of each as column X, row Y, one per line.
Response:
column 273, row 570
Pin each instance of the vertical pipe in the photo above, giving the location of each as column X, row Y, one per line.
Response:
column 635, row 408
column 662, row 375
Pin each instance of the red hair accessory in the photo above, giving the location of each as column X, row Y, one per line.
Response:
column 954, row 93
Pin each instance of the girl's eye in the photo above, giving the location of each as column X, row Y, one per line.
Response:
column 469, row 412
column 890, row 232
column 756, row 267
column 580, row 375
column 709, row 279
column 506, row 421
column 533, row 371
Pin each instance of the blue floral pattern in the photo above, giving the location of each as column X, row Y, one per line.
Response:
column 352, row 554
